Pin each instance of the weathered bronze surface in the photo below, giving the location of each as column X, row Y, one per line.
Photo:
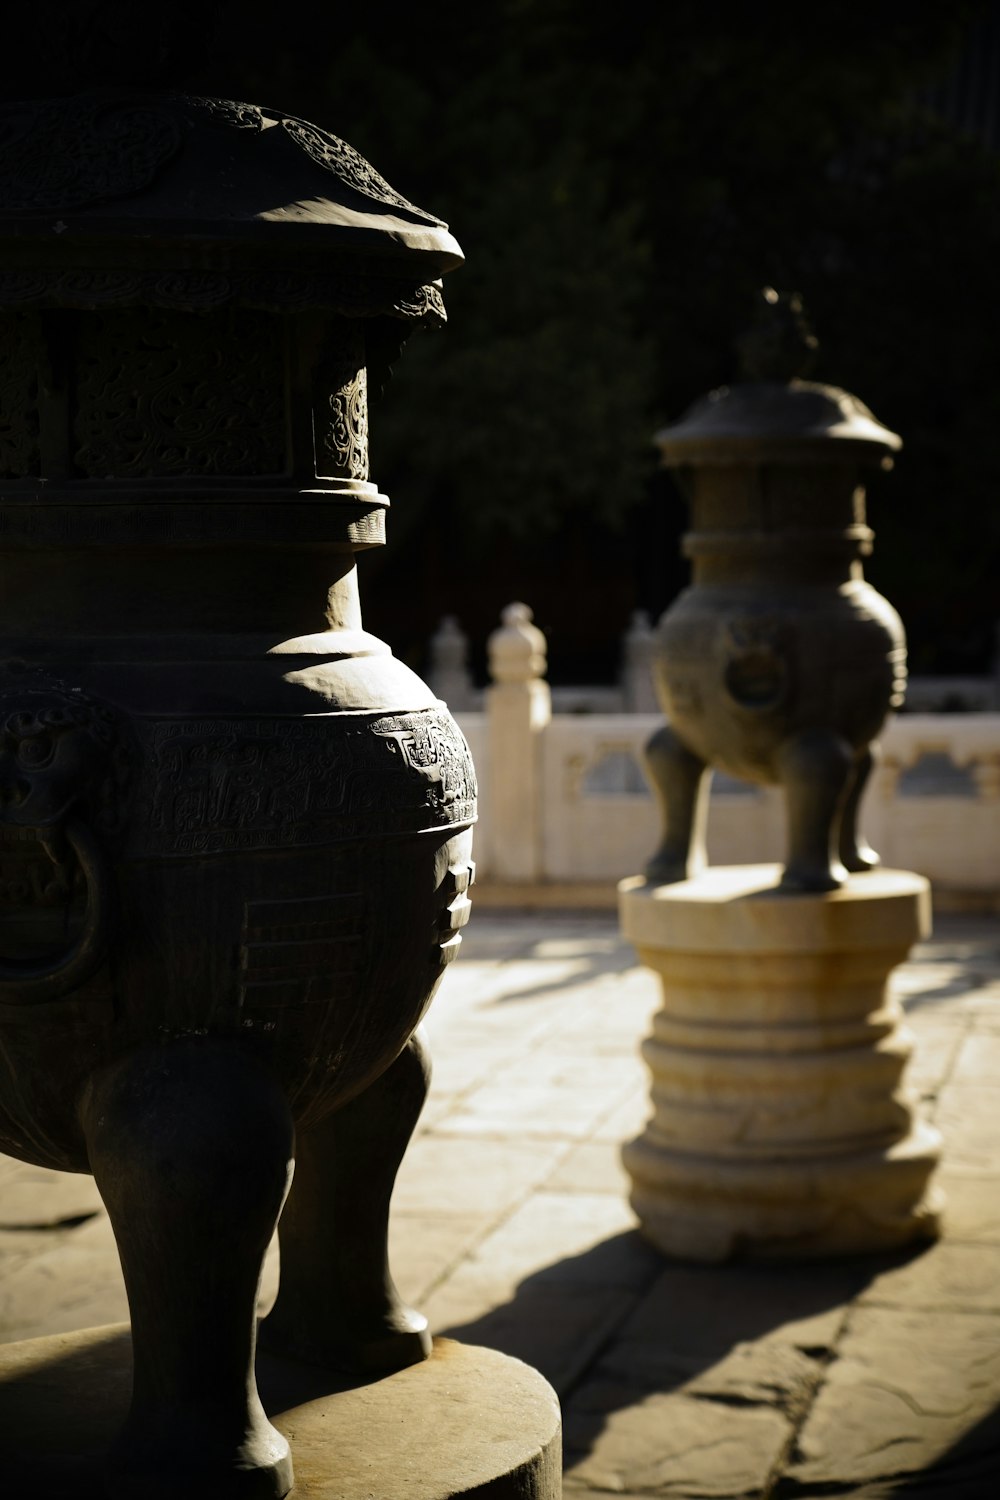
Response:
column 779, row 663
column 234, row 832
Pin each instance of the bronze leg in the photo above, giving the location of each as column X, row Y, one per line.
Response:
column 854, row 851
column 680, row 784
column 337, row 1303
column 815, row 768
column 191, row 1147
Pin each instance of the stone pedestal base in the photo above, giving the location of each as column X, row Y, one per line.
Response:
column 466, row 1422
column 781, row 1124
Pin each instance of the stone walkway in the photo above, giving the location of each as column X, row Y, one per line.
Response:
column 866, row 1378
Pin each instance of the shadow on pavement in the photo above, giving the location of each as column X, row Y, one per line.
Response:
column 617, row 1325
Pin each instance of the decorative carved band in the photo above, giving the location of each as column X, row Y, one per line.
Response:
column 186, row 290
column 210, row 786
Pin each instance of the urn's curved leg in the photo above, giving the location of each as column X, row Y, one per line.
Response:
column 337, row 1303
column 680, row 785
column 191, row 1147
column 816, row 768
column 855, row 853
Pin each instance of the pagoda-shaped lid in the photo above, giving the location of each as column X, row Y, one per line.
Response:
column 121, row 196
column 775, row 415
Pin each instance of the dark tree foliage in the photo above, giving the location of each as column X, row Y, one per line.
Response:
column 623, row 178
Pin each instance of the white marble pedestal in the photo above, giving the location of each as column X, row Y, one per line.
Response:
column 781, row 1121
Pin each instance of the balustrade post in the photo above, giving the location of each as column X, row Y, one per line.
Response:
column 519, row 707
column 449, row 675
column 637, row 673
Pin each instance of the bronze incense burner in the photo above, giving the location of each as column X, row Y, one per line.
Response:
column 234, row 832
column 780, row 662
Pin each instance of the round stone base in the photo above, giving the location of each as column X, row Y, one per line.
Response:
column 466, row 1422
column 703, row 1209
column 782, row 1123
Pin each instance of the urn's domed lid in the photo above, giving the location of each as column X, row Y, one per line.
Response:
column 773, row 419
column 774, row 414
column 123, row 180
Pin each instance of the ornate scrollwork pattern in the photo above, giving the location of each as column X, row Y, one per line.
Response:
column 217, row 785
column 342, row 407
column 350, row 166
column 349, row 294
column 434, row 748
column 62, row 154
column 345, row 435
column 225, row 112
column 156, row 397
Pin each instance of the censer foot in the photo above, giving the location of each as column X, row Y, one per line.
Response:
column 855, row 853
column 680, row 784
column 337, row 1304
column 818, row 770
column 191, row 1146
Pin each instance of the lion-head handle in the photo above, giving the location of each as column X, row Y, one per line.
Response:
column 62, row 768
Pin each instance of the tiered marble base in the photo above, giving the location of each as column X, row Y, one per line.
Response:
column 467, row 1422
column 781, row 1123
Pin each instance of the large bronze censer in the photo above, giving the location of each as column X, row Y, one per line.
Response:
column 780, row 662
column 234, row 832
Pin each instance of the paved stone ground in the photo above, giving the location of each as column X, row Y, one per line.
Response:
column 867, row 1377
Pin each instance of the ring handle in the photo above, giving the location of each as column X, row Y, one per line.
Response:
column 43, row 979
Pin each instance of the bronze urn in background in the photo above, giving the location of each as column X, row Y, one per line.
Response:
column 783, row 1122
column 234, row 831
column 780, row 662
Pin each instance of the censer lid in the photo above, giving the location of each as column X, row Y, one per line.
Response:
column 774, row 414
column 131, row 183
column 734, row 421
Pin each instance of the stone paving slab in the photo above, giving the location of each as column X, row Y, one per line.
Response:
column 75, row 1284
column 977, row 1060
column 937, row 1046
column 671, row 1444
column 700, row 1313
column 449, row 1174
column 32, row 1197
column 869, row 1378
column 968, row 1115
column 903, row 1384
column 972, row 1210
column 946, row 1277
column 549, row 1111
column 559, row 1329
column 593, row 1166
